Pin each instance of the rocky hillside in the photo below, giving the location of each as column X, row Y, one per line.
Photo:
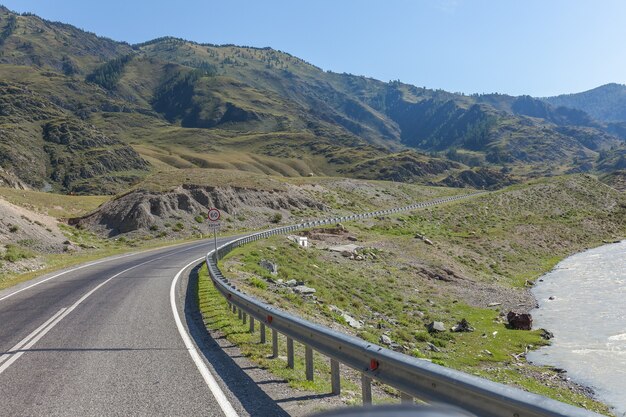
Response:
column 183, row 210
column 183, row 105
column 45, row 147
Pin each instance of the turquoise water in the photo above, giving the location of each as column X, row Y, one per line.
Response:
column 588, row 319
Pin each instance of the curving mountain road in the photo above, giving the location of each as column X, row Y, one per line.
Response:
column 105, row 339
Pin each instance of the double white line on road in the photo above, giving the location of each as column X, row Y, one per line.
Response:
column 8, row 358
column 15, row 352
column 25, row 344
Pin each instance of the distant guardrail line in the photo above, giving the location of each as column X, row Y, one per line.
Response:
column 413, row 377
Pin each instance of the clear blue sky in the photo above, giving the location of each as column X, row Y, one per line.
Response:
column 536, row 47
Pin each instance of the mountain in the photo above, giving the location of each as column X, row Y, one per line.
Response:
column 606, row 103
column 95, row 115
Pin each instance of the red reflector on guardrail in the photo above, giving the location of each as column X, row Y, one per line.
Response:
column 373, row 364
column 269, row 319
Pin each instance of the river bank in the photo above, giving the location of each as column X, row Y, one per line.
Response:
column 581, row 302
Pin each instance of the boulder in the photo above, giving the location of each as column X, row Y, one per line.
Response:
column 436, row 326
column 270, row 266
column 462, row 326
column 291, row 283
column 433, row 347
column 519, row 321
column 304, row 290
column 385, row 340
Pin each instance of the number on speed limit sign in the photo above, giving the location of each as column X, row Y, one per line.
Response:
column 214, row 214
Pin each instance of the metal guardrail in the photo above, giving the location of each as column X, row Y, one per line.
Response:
column 413, row 377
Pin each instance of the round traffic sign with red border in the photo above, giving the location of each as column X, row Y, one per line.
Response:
column 214, row 214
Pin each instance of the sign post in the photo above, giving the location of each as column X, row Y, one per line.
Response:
column 214, row 217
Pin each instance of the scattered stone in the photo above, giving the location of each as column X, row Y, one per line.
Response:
column 352, row 322
column 494, row 304
column 546, row 334
column 433, row 347
column 436, row 326
column 519, row 321
column 552, row 297
column 359, row 258
column 487, row 352
column 462, row 326
column 270, row 266
column 340, row 226
column 352, row 238
column 304, row 290
column 428, row 241
column 351, row 248
column 385, row 340
column 291, row 283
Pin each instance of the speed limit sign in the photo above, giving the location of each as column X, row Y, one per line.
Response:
column 214, row 214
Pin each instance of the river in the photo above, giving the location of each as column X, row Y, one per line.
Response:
column 588, row 319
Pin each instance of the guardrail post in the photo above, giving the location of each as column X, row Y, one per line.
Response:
column 262, row 326
column 366, row 389
column 290, row 361
column 274, row 343
column 308, row 359
column 239, row 313
column 405, row 398
column 335, row 380
column 251, row 324
column 234, row 308
column 245, row 318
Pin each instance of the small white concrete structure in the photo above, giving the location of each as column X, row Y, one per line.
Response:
column 300, row 240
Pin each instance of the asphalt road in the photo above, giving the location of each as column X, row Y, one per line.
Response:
column 103, row 340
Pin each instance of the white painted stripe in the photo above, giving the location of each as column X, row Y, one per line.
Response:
column 95, row 263
column 65, row 272
column 209, row 379
column 54, row 320
column 25, row 340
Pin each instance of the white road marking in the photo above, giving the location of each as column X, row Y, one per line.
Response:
column 41, row 331
column 209, row 379
column 65, row 272
column 92, row 264
column 25, row 340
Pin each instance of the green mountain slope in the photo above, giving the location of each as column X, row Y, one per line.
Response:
column 184, row 105
column 606, row 103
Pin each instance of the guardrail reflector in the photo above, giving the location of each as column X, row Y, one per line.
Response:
column 373, row 364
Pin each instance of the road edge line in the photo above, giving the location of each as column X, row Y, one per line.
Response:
column 208, row 377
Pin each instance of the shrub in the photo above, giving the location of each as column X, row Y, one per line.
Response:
column 258, row 282
column 199, row 219
column 13, row 228
column 154, row 228
column 276, row 218
column 15, row 253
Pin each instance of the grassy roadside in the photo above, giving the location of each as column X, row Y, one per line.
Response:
column 54, row 262
column 482, row 251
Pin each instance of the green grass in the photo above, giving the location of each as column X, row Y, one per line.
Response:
column 217, row 316
column 14, row 253
column 55, row 205
column 500, row 239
